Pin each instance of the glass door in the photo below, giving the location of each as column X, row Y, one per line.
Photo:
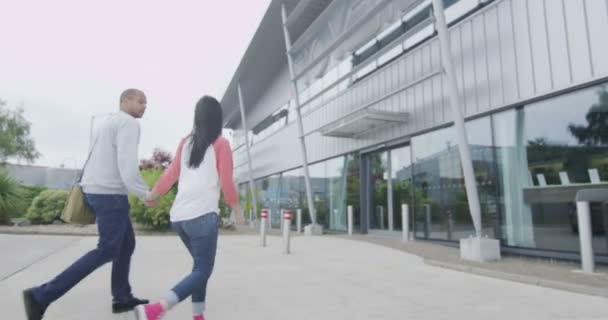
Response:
column 390, row 187
column 379, row 173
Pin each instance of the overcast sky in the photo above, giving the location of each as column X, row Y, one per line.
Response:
column 65, row 61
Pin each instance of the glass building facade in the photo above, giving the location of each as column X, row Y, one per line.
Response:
column 377, row 124
column 529, row 162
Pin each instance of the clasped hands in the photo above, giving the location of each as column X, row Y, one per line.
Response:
column 151, row 199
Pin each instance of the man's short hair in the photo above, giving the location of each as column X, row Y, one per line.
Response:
column 129, row 93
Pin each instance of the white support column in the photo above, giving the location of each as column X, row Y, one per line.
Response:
column 313, row 228
column 391, row 209
column 244, row 122
column 474, row 248
column 584, row 232
column 463, row 145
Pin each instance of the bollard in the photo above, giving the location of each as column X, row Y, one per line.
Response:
column 583, row 213
column 263, row 226
column 299, row 222
column 269, row 220
column 350, row 220
column 405, row 221
column 286, row 229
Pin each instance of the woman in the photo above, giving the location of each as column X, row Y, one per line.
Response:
column 203, row 166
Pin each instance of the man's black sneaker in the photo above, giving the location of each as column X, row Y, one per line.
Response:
column 33, row 309
column 120, row 307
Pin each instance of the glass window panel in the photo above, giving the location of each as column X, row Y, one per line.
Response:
column 546, row 152
column 401, row 175
column 379, row 182
column 353, row 186
column 390, row 55
column 293, row 194
column 268, row 195
column 441, row 208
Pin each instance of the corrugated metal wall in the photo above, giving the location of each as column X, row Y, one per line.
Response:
column 57, row 178
column 508, row 52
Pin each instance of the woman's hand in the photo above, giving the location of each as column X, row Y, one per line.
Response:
column 237, row 215
column 151, row 199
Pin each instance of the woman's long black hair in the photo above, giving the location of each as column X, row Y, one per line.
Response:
column 207, row 128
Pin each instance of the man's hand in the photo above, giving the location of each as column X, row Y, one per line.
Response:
column 151, row 203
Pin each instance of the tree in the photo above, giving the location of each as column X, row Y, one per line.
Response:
column 595, row 133
column 15, row 140
column 160, row 160
column 594, row 137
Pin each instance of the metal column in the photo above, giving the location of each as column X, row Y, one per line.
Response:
column 294, row 87
column 463, row 145
column 251, row 186
column 391, row 209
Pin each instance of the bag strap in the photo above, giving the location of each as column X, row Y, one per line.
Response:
column 86, row 162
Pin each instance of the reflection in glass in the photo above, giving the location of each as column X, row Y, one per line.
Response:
column 441, row 207
column 293, row 194
column 329, row 182
column 547, row 151
column 268, row 194
column 335, row 184
column 402, row 184
column 245, row 202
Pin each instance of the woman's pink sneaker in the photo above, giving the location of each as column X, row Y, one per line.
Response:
column 152, row 311
column 198, row 317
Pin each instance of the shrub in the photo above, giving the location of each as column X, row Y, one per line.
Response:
column 27, row 195
column 158, row 217
column 47, row 206
column 9, row 197
column 160, row 160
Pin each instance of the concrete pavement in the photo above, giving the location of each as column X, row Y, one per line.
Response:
column 324, row 278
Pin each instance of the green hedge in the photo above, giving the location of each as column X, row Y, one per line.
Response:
column 9, row 197
column 27, row 194
column 47, row 206
column 158, row 217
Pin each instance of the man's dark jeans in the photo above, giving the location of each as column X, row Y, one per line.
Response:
column 116, row 244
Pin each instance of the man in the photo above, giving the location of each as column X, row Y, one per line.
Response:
column 110, row 174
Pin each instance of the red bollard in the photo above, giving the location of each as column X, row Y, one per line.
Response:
column 287, row 216
column 263, row 226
